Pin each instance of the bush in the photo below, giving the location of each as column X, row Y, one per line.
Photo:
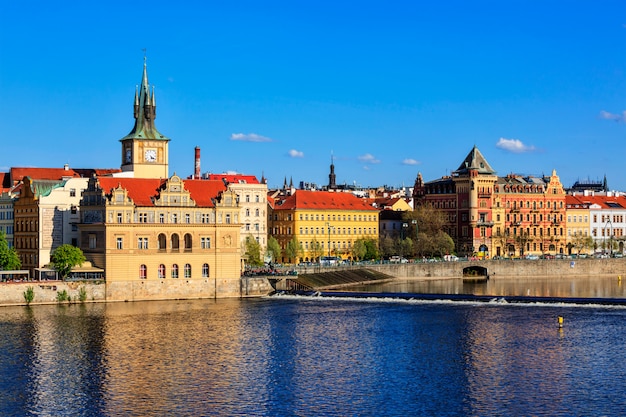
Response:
column 29, row 295
column 62, row 296
column 82, row 294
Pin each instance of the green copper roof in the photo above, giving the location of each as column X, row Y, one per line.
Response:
column 144, row 112
column 43, row 188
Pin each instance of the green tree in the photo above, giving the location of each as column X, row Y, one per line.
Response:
column 273, row 249
column 65, row 257
column 253, row 251
column 293, row 250
column 426, row 224
column 387, row 245
column 371, row 249
column 359, row 249
column 9, row 260
column 316, row 250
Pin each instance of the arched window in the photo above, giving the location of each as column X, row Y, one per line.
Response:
column 175, row 242
column 143, row 272
column 205, row 271
column 187, row 271
column 161, row 271
column 175, row 271
column 162, row 242
column 188, row 241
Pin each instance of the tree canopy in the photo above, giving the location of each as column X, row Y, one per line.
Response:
column 65, row 257
column 253, row 251
column 273, row 249
column 9, row 259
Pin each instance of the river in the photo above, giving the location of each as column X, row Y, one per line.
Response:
column 312, row 356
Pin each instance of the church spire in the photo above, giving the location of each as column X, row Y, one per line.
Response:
column 332, row 179
column 144, row 111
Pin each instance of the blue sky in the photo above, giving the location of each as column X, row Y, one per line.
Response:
column 389, row 89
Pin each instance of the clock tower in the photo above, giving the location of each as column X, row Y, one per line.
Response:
column 145, row 149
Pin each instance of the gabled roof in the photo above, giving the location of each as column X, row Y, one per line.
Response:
column 322, row 200
column 143, row 191
column 475, row 161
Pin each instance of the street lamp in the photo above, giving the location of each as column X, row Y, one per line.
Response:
column 608, row 222
column 329, row 226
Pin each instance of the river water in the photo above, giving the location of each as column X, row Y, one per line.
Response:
column 312, row 356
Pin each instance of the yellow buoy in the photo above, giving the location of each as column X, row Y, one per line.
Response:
column 560, row 322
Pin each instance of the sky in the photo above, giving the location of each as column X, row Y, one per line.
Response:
column 281, row 88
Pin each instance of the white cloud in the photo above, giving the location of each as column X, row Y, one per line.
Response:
column 368, row 159
column 410, row 161
column 296, row 154
column 514, row 145
column 612, row 116
column 250, row 137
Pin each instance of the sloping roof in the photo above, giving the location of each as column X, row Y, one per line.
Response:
column 18, row 174
column 202, row 191
column 323, row 200
column 143, row 191
column 235, row 178
column 475, row 161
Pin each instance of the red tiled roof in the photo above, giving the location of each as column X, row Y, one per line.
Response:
column 143, row 190
column 235, row 178
column 601, row 200
column 203, row 190
column 323, row 200
column 17, row 174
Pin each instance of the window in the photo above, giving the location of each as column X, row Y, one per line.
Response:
column 174, row 218
column 120, row 243
column 143, row 272
column 162, row 271
column 143, row 217
column 119, row 217
column 205, row 270
column 175, row 271
column 162, row 242
column 188, row 241
column 92, row 241
column 228, row 218
column 205, row 218
column 161, row 218
column 256, row 198
column 187, row 271
column 256, row 213
column 187, row 218
column 142, row 243
column 72, row 192
column 175, row 242
column 205, row 242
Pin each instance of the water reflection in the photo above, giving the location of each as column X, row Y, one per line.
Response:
column 584, row 287
column 306, row 356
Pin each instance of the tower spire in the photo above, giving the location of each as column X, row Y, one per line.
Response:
column 144, row 110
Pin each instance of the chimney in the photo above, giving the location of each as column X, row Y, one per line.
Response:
column 66, row 167
column 196, row 174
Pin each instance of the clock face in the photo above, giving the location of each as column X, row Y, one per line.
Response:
column 150, row 155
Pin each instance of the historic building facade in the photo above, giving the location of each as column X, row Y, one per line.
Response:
column 465, row 199
column 530, row 217
column 486, row 215
column 252, row 196
column 154, row 229
column 324, row 223
column 46, row 216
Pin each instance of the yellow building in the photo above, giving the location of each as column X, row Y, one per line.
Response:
column 324, row 223
column 578, row 225
column 156, row 230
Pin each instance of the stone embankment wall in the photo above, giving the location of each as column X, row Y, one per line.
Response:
column 45, row 292
column 509, row 268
